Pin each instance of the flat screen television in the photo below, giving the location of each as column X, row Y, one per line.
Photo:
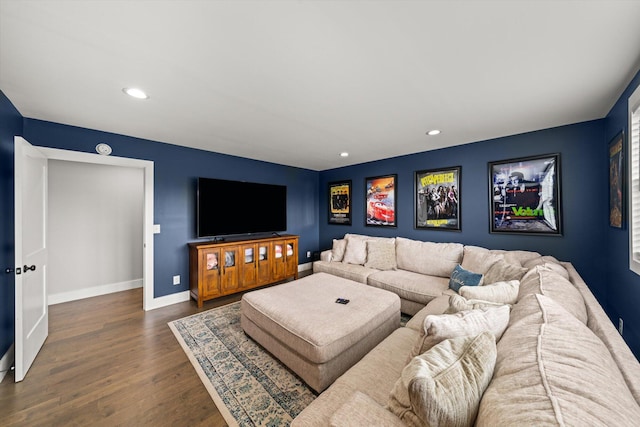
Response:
column 235, row 207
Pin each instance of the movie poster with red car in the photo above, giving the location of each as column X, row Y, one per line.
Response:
column 380, row 201
column 525, row 195
column 438, row 199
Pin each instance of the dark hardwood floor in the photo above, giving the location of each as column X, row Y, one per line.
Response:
column 107, row 362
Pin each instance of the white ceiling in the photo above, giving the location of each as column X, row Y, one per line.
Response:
column 298, row 82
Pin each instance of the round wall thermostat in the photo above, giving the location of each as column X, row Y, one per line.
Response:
column 103, row 149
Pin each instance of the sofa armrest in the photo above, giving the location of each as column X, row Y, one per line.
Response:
column 361, row 410
column 326, row 255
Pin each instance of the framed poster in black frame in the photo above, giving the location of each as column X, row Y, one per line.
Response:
column 437, row 199
column 616, row 180
column 380, row 201
column 525, row 195
column 340, row 202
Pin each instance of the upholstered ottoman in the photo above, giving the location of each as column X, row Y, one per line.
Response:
column 301, row 324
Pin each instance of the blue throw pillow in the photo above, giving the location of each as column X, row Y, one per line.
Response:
column 462, row 277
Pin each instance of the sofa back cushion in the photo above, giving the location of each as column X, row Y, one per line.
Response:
column 553, row 370
column 478, row 259
column 443, row 386
column 545, row 281
column 434, row 259
column 503, row 271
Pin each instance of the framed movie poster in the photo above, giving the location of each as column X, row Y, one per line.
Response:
column 437, row 199
column 525, row 195
column 380, row 201
column 340, row 203
column 616, row 180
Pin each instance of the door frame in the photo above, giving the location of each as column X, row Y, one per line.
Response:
column 148, row 300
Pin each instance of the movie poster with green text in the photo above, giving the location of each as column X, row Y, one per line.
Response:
column 525, row 195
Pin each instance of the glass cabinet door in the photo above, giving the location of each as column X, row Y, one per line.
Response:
column 263, row 253
column 212, row 261
column 229, row 258
column 248, row 255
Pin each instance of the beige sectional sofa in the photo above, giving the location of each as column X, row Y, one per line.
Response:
column 556, row 359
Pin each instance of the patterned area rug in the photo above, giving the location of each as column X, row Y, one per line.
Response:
column 248, row 385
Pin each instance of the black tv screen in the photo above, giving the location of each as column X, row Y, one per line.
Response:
column 235, row 207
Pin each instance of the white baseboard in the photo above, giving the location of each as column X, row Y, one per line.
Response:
column 168, row 300
column 93, row 291
column 305, row 267
column 185, row 296
column 6, row 362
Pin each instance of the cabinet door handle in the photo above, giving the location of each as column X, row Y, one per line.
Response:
column 26, row 268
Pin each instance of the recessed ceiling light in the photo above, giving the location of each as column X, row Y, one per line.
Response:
column 433, row 132
column 344, row 154
column 135, row 92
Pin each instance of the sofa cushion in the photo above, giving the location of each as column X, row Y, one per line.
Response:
column 381, row 254
column 410, row 286
column 433, row 259
column 337, row 252
column 459, row 303
column 361, row 410
column 554, row 371
column 542, row 280
column 437, row 328
column 502, row 271
column 443, row 386
column 461, row 277
column 478, row 259
column 357, row 273
column 386, row 360
column 498, row 292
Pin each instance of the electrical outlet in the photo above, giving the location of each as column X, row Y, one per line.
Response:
column 620, row 325
column 176, row 280
column 308, row 254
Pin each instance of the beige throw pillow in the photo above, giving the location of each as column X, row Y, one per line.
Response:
column 437, row 328
column 337, row 252
column 502, row 271
column 498, row 292
column 356, row 250
column 459, row 303
column 443, row 386
column 381, row 254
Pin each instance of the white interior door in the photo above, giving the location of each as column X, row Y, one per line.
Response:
column 32, row 315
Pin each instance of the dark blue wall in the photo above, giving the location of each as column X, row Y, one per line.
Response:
column 176, row 169
column 10, row 125
column 623, row 285
column 584, row 175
